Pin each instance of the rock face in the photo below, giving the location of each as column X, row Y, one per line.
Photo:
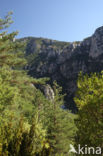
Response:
column 63, row 61
column 48, row 92
column 97, row 43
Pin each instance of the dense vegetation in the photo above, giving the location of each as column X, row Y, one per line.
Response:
column 30, row 125
column 89, row 99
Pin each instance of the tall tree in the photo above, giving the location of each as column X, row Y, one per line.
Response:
column 17, row 94
column 89, row 99
column 29, row 123
column 60, row 125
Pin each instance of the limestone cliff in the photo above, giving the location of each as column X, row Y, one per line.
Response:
column 62, row 61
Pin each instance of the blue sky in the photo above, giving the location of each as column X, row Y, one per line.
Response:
column 65, row 20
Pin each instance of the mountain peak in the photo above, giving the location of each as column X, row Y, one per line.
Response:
column 97, row 43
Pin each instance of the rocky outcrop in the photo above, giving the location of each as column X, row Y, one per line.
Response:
column 48, row 92
column 97, row 43
column 63, row 61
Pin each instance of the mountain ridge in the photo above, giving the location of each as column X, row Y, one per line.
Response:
column 62, row 61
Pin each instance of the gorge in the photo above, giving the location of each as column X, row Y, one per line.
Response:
column 62, row 61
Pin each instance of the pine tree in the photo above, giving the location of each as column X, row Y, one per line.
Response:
column 29, row 123
column 17, row 94
column 34, row 142
column 60, row 125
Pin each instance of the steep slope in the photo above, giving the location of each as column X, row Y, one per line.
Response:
column 62, row 61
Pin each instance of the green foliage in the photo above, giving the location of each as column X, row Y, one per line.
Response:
column 30, row 124
column 89, row 99
column 60, row 125
column 35, row 142
column 17, row 94
column 4, row 23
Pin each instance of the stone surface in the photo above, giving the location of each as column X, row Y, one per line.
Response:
column 63, row 61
